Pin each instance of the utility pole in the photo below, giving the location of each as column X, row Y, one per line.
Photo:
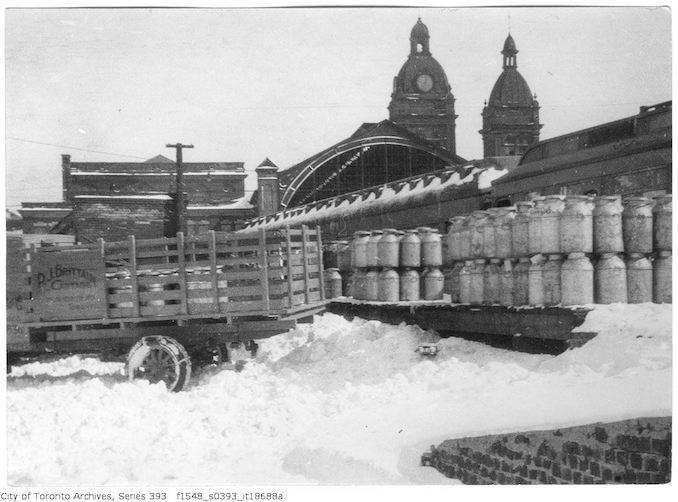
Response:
column 181, row 203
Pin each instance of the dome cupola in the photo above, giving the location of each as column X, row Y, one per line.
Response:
column 422, row 99
column 511, row 114
column 419, row 38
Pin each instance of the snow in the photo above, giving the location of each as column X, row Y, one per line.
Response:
column 333, row 402
column 241, row 203
column 487, row 177
column 141, row 173
column 135, row 197
column 380, row 198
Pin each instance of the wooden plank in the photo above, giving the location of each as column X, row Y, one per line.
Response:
column 133, row 272
column 239, row 275
column 118, row 283
column 263, row 256
column 213, row 268
column 161, row 254
column 304, row 230
column 149, row 296
column 233, row 291
column 321, row 272
column 150, row 280
column 182, row 271
column 160, row 310
column 116, row 298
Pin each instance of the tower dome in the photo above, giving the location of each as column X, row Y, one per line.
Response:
column 422, row 100
column 511, row 115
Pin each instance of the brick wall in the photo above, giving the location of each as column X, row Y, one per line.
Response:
column 636, row 451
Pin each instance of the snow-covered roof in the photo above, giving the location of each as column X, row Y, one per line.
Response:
column 380, row 198
column 168, row 173
column 241, row 203
column 119, row 197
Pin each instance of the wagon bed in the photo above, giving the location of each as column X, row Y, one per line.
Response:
column 206, row 290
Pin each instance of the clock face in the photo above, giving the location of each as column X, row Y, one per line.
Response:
column 424, row 82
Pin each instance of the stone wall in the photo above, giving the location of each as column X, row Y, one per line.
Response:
column 636, row 451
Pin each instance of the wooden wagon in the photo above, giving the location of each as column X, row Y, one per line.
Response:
column 165, row 302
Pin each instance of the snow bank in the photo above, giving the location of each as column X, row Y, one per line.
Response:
column 335, row 402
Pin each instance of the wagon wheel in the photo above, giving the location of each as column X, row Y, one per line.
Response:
column 160, row 359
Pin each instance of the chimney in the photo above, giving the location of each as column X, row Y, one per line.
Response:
column 267, row 186
column 66, row 177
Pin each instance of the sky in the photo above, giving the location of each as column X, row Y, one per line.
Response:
column 117, row 85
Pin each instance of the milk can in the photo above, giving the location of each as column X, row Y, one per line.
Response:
column 359, row 283
column 489, row 234
column 477, row 282
column 465, row 238
column 344, row 256
column 347, row 284
column 521, row 288
column 536, row 281
column 431, row 249
column 662, row 278
column 333, row 283
column 576, row 280
column 609, row 280
column 638, row 278
column 388, row 249
column 534, row 226
column 576, row 225
column 389, row 286
column 465, row 282
column 663, row 214
column 410, row 250
column 359, row 248
column 434, row 281
column 520, row 235
column 371, row 285
column 506, row 283
column 409, row 285
column 452, row 281
column 550, row 224
column 637, row 225
column 491, row 282
column 607, row 225
column 551, row 274
column 453, row 240
column 373, row 248
column 155, row 287
column 330, row 258
column 502, row 232
column 478, row 222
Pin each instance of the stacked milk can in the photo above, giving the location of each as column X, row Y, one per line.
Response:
column 562, row 250
column 391, row 265
column 479, row 258
column 569, row 250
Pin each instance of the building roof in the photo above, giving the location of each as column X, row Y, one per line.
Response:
column 267, row 163
column 367, row 130
column 511, row 89
column 419, row 30
column 161, row 167
column 158, row 159
column 509, row 46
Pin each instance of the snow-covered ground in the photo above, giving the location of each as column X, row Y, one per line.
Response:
column 335, row 402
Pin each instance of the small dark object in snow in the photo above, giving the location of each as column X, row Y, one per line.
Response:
column 426, row 459
column 427, row 349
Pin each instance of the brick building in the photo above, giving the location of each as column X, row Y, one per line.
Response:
column 511, row 115
column 422, row 99
column 116, row 199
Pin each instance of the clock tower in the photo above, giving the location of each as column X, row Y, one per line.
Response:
column 422, row 99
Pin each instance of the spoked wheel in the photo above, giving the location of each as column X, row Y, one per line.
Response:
column 160, row 359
